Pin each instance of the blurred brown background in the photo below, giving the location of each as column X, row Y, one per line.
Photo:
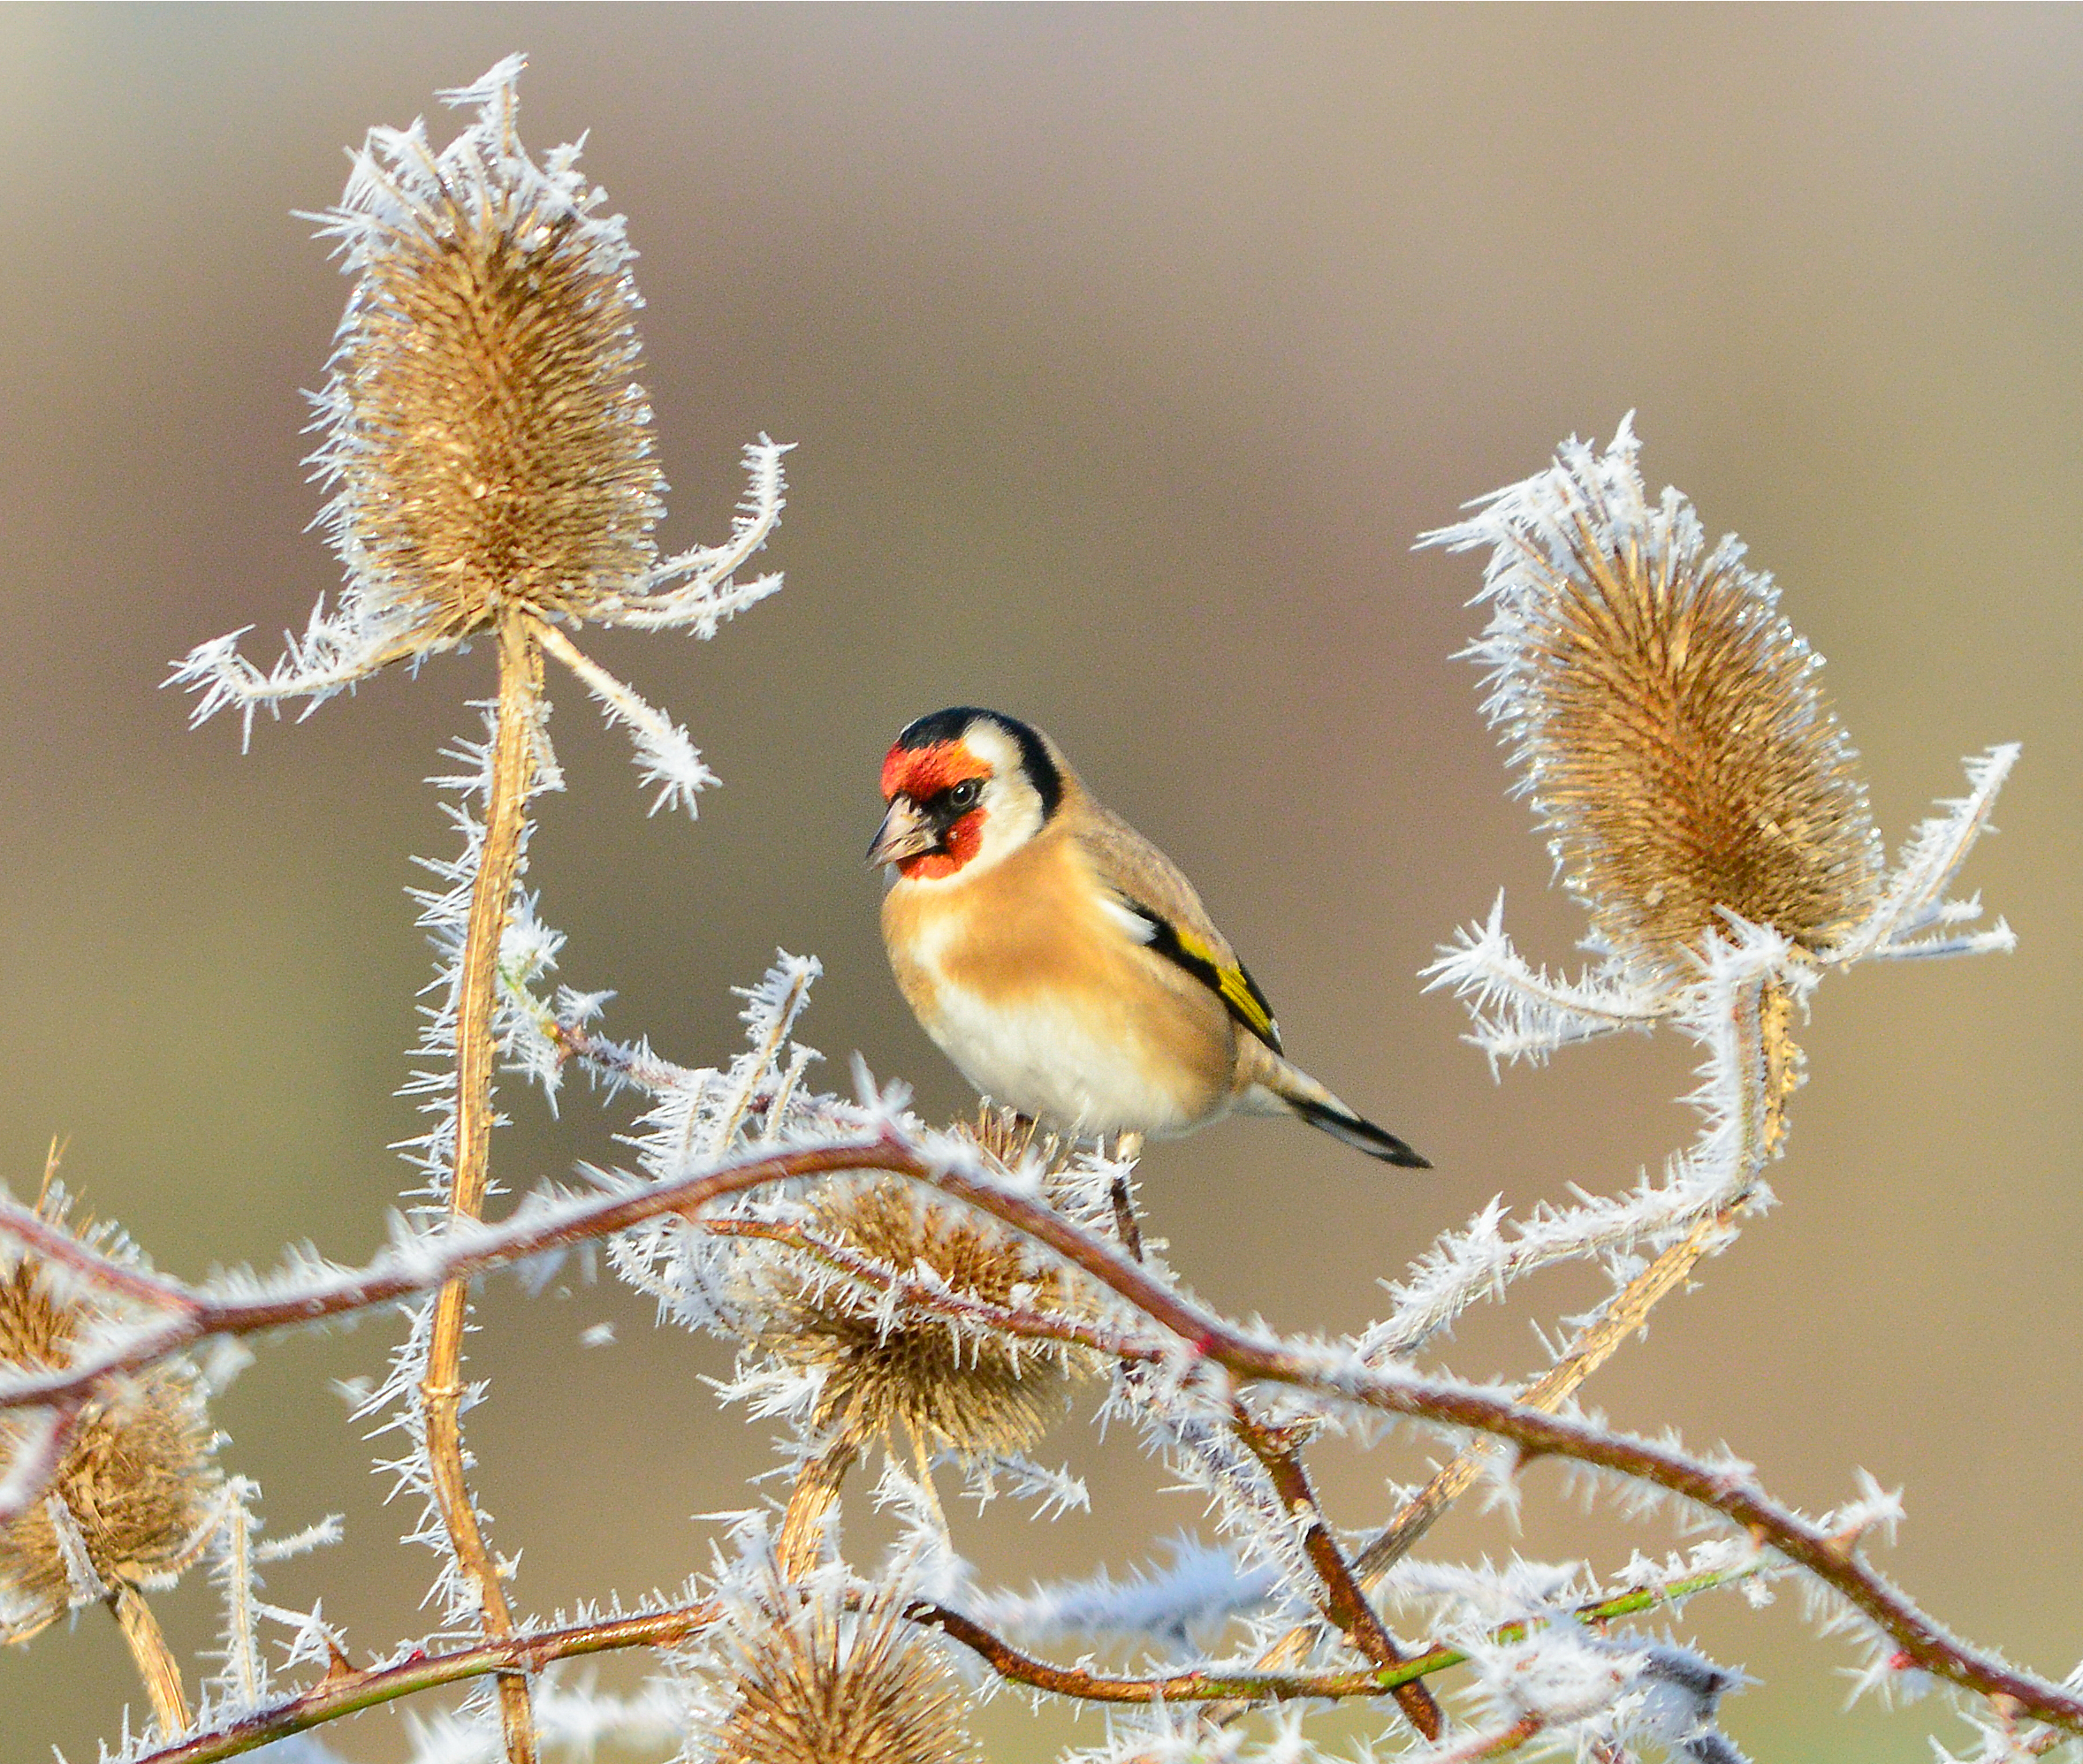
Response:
column 1127, row 352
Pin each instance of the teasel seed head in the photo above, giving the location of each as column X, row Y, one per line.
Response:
column 1666, row 719
column 136, row 1485
column 484, row 432
column 905, row 1367
column 1008, row 1138
column 806, row 1681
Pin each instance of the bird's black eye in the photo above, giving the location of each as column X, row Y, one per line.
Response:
column 964, row 794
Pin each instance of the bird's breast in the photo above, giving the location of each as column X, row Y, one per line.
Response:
column 1045, row 1005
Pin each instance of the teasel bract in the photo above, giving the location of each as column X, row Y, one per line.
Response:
column 1665, row 718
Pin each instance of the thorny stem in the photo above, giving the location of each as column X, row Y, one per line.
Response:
column 1216, row 1343
column 1628, row 1312
column 156, row 1664
column 1496, row 1744
column 1342, row 1599
column 350, row 1691
column 491, row 895
column 1761, row 1017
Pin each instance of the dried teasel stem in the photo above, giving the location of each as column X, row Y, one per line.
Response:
column 816, row 1493
column 1628, row 1312
column 1764, row 1011
column 156, row 1664
column 491, row 893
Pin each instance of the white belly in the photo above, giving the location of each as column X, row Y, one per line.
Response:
column 1041, row 1059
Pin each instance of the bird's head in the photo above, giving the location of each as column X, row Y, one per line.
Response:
column 964, row 787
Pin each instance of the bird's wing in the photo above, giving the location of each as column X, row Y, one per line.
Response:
column 1156, row 905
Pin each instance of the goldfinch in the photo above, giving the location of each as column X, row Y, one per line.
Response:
column 1060, row 959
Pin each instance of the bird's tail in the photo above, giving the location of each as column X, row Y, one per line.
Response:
column 1276, row 1087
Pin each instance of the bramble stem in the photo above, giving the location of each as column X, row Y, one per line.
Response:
column 1343, row 1600
column 153, row 1660
column 491, row 895
column 1244, row 1353
column 349, row 1692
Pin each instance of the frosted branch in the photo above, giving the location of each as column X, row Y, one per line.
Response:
column 1914, row 898
column 1332, row 1373
column 1525, row 1013
column 664, row 754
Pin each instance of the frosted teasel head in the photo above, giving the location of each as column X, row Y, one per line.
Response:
column 1666, row 718
column 487, row 443
column 1074, row 1176
column 804, row 1675
column 133, row 1496
column 1699, row 795
column 887, row 1362
column 484, row 432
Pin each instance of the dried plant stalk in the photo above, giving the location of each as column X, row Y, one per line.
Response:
column 1628, row 1312
column 491, row 894
column 156, row 1666
column 816, row 1493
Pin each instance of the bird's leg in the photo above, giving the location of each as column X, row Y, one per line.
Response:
column 1128, row 1147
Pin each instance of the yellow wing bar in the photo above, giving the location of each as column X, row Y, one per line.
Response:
column 1231, row 981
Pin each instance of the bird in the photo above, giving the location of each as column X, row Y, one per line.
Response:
column 1063, row 962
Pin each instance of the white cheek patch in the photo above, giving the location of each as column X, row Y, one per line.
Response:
column 1012, row 806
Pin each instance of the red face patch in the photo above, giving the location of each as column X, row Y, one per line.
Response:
column 922, row 773
column 963, row 837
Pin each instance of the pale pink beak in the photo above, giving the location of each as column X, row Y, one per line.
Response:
column 904, row 832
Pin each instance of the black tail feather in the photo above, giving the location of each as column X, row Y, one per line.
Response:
column 1362, row 1135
